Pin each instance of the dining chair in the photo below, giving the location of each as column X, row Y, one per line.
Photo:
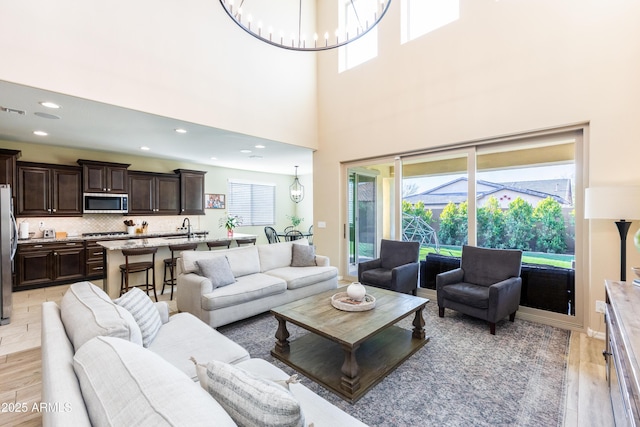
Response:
column 272, row 235
column 293, row 235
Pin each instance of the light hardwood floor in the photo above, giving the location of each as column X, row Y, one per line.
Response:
column 587, row 400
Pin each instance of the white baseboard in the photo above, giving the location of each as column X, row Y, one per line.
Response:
column 596, row 334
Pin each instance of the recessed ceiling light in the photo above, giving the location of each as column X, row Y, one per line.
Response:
column 180, row 130
column 245, row 151
column 214, row 158
column 145, row 148
column 260, row 146
column 49, row 104
column 40, row 133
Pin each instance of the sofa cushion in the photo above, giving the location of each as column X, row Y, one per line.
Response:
column 87, row 312
column 251, row 400
column 378, row 277
column 297, row 277
column 243, row 260
column 303, row 256
column 143, row 311
column 127, row 385
column 467, row 294
column 275, row 255
column 217, row 270
column 186, row 336
column 247, row 288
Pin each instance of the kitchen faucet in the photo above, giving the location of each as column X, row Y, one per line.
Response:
column 187, row 221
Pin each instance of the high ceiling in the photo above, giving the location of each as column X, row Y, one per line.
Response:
column 90, row 125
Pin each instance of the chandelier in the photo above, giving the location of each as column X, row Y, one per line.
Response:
column 290, row 24
column 296, row 190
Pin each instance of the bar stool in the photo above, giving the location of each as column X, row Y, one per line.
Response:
column 138, row 267
column 246, row 241
column 219, row 244
column 170, row 264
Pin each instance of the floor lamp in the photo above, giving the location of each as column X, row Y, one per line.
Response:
column 617, row 203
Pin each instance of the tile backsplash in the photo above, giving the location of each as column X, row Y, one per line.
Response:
column 104, row 223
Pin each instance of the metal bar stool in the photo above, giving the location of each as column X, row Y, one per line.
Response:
column 246, row 241
column 219, row 244
column 138, row 267
column 170, row 264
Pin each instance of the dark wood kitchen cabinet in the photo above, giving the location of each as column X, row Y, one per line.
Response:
column 8, row 159
column 153, row 193
column 191, row 191
column 48, row 190
column 43, row 264
column 94, row 255
column 103, row 177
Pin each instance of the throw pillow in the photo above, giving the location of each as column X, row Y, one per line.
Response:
column 303, row 256
column 201, row 372
column 251, row 400
column 217, row 270
column 144, row 312
column 124, row 384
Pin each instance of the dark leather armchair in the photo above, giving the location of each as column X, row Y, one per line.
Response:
column 396, row 269
column 487, row 285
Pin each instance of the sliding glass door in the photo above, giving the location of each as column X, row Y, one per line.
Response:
column 362, row 218
column 520, row 193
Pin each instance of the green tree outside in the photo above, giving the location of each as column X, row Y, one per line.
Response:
column 453, row 224
column 491, row 224
column 551, row 227
column 519, row 224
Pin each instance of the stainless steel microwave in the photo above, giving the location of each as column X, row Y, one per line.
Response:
column 104, row 203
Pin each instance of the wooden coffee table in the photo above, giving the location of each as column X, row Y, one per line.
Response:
column 349, row 352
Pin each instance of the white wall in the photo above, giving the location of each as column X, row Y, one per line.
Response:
column 187, row 61
column 505, row 67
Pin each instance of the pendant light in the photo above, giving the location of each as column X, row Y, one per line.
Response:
column 296, row 190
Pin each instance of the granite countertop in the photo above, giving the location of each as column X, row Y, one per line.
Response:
column 114, row 245
column 122, row 237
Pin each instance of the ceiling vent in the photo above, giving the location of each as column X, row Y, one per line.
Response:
column 12, row 110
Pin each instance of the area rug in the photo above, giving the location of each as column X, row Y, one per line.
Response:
column 464, row 376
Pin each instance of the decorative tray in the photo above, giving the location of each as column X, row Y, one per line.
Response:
column 341, row 301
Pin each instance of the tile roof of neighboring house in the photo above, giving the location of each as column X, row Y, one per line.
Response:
column 558, row 189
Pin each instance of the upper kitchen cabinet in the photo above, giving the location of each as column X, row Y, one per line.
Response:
column 191, row 192
column 153, row 193
column 49, row 190
column 8, row 160
column 102, row 177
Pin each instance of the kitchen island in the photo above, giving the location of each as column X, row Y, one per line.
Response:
column 114, row 257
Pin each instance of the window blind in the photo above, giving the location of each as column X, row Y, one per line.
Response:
column 255, row 203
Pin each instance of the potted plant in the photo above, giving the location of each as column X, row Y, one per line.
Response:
column 295, row 220
column 230, row 222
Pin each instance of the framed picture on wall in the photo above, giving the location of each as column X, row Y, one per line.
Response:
column 214, row 201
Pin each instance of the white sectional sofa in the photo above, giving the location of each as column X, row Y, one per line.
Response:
column 96, row 372
column 263, row 277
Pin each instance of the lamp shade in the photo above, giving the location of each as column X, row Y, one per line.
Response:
column 612, row 203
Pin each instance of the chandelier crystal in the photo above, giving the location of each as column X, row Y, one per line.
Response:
column 290, row 24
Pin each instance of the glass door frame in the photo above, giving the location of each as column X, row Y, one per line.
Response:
column 580, row 133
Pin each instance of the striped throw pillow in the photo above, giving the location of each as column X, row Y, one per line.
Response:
column 251, row 400
column 144, row 312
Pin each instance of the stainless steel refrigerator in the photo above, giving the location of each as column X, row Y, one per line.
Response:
column 8, row 245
